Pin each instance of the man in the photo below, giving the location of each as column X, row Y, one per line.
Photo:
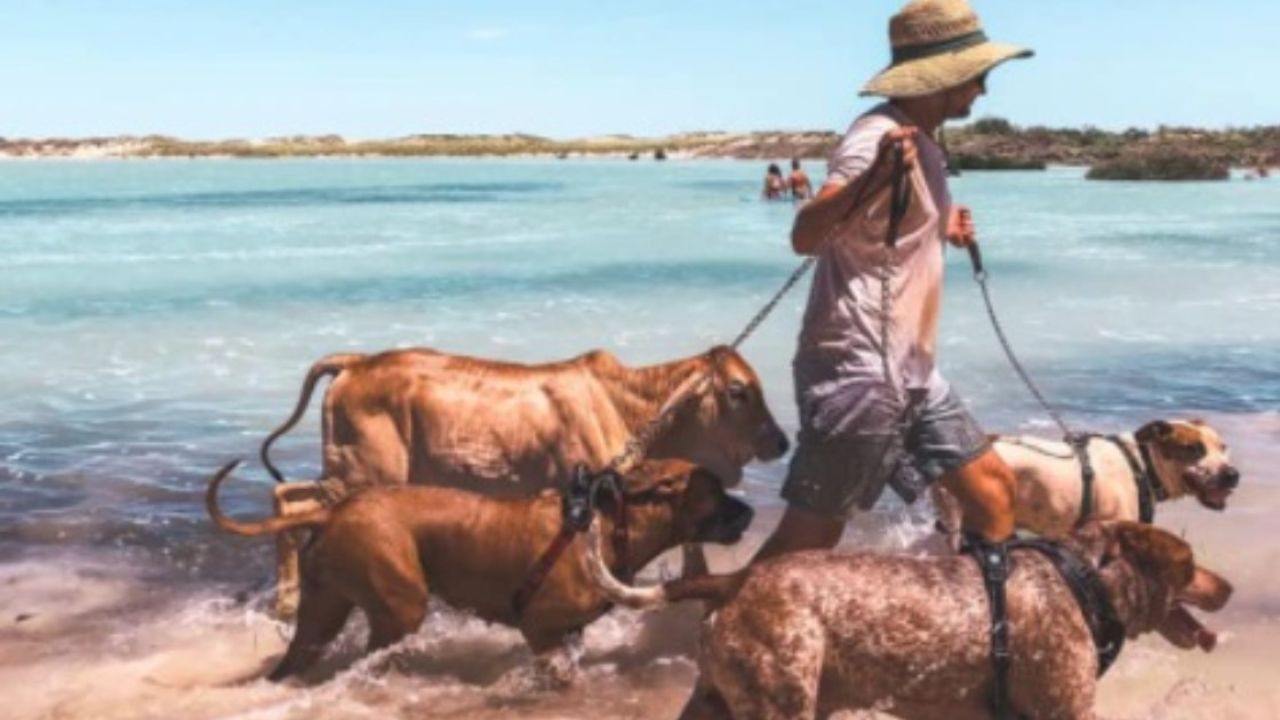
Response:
column 869, row 418
column 801, row 189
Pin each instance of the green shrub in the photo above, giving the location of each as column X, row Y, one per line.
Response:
column 992, row 126
column 1160, row 164
column 972, row 161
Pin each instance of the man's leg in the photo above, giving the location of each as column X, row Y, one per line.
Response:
column 829, row 479
column 801, row 529
column 984, row 488
column 949, row 445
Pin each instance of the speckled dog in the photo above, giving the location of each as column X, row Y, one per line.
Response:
column 806, row 635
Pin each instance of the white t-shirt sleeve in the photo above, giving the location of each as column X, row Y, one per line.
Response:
column 858, row 149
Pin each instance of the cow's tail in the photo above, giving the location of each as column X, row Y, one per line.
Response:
column 328, row 365
column 715, row 589
column 257, row 527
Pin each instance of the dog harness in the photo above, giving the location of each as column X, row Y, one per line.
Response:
column 1085, row 585
column 577, row 505
column 1149, row 490
column 1080, row 445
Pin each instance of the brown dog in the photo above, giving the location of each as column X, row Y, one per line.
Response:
column 385, row 549
column 1187, row 458
column 811, row 633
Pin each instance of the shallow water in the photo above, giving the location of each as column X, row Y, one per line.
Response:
column 157, row 318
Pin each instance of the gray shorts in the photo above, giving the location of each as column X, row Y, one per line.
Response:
column 836, row 473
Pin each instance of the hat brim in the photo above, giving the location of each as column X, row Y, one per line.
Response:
column 929, row 75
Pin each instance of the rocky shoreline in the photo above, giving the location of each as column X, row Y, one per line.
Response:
column 989, row 143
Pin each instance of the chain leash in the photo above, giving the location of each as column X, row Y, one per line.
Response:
column 980, row 277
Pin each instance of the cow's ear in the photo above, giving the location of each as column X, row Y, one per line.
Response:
column 1154, row 431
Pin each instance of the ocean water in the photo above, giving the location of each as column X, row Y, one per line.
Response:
column 156, row 320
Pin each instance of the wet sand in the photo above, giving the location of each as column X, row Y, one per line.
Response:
column 97, row 635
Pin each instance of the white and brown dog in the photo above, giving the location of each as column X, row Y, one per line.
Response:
column 1163, row 460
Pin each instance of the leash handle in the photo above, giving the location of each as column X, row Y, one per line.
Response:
column 899, row 194
column 975, row 259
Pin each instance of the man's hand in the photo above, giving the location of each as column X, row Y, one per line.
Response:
column 907, row 134
column 960, row 229
column 817, row 219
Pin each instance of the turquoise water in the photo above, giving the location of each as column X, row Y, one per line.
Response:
column 157, row 317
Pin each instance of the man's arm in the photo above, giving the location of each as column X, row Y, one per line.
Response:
column 835, row 201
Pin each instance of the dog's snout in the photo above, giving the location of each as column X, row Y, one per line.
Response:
column 733, row 517
column 1229, row 478
column 741, row 513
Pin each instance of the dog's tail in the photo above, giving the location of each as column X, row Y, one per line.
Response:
column 715, row 589
column 259, row 527
column 328, row 365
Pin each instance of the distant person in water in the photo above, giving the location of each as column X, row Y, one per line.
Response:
column 775, row 186
column 801, row 188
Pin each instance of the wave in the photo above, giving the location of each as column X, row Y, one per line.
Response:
column 424, row 193
column 1118, row 390
column 263, row 253
column 607, row 278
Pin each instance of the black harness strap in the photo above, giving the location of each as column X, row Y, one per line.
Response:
column 1080, row 444
column 1149, row 489
column 621, row 559
column 538, row 574
column 1153, row 480
column 1091, row 595
column 1085, row 585
column 1141, row 469
column 576, row 510
column 993, row 561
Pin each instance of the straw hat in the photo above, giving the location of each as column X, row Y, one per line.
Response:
column 937, row 44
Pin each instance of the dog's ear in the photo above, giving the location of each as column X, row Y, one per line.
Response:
column 1154, row 431
column 1156, row 553
column 661, row 476
column 1097, row 541
column 1181, row 442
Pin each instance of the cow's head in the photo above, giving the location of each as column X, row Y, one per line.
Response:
column 727, row 424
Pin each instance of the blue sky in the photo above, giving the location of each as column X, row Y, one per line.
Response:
column 568, row 68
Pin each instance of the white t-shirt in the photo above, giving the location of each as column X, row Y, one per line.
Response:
column 840, row 383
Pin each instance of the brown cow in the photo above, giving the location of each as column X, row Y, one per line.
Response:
column 424, row 417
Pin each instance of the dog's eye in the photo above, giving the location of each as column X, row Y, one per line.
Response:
column 1192, row 451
